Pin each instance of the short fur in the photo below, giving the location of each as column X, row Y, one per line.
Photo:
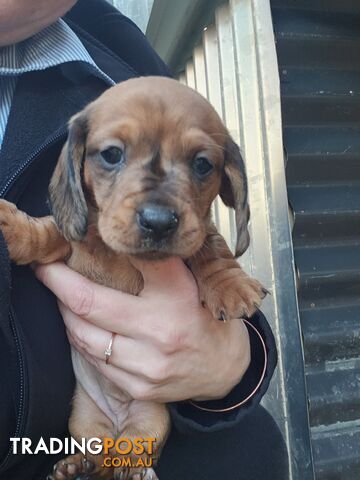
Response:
column 162, row 126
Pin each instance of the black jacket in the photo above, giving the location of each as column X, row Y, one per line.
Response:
column 35, row 367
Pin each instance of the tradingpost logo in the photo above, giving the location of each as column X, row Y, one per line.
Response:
column 120, row 452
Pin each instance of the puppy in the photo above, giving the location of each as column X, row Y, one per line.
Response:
column 137, row 177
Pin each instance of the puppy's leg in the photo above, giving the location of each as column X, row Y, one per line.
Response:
column 224, row 287
column 86, row 421
column 145, row 420
column 31, row 239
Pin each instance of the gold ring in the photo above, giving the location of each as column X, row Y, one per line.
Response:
column 108, row 350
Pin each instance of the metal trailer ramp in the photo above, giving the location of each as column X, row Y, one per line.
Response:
column 318, row 47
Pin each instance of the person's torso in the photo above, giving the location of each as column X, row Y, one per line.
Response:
column 35, row 363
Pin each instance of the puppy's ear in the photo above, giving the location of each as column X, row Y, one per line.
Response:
column 66, row 194
column 234, row 193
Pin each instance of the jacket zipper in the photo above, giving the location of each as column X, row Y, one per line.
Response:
column 19, row 422
column 28, row 162
column 22, row 168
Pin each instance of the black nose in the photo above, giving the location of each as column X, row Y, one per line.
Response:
column 157, row 221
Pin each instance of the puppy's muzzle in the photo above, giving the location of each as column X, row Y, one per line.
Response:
column 157, row 222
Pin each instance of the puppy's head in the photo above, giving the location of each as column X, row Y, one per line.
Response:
column 142, row 164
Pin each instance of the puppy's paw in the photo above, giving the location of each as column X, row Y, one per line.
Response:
column 12, row 222
column 31, row 239
column 8, row 220
column 122, row 473
column 145, row 474
column 71, row 468
column 148, row 474
column 125, row 473
column 233, row 295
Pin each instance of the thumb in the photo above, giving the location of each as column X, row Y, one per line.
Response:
column 166, row 275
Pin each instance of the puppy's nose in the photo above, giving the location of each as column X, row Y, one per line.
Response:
column 157, row 221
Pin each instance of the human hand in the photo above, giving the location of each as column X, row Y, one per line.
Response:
column 167, row 346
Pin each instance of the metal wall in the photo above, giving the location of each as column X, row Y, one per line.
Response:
column 318, row 44
column 234, row 65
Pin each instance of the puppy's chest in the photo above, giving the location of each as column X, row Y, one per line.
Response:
column 105, row 268
column 115, row 271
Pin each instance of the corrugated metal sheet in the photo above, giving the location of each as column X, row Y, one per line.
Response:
column 235, row 67
column 318, row 44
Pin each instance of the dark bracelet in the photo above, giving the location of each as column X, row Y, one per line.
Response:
column 239, row 404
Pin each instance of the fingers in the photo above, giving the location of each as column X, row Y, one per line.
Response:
column 95, row 340
column 127, row 354
column 166, row 284
column 89, row 300
column 136, row 387
column 109, row 309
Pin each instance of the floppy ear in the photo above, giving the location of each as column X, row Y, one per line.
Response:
column 234, row 193
column 66, row 194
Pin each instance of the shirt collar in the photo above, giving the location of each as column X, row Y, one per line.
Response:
column 55, row 45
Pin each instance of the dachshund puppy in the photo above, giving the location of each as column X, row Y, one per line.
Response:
column 137, row 177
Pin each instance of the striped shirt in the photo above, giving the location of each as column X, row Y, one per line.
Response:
column 55, row 45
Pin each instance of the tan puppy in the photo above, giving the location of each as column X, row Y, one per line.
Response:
column 136, row 177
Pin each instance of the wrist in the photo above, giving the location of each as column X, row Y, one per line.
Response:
column 232, row 360
column 216, row 406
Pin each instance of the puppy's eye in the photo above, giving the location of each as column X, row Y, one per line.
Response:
column 113, row 155
column 202, row 166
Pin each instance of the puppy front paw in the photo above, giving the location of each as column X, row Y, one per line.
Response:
column 232, row 294
column 71, row 468
column 135, row 474
column 78, row 467
column 11, row 223
column 31, row 239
